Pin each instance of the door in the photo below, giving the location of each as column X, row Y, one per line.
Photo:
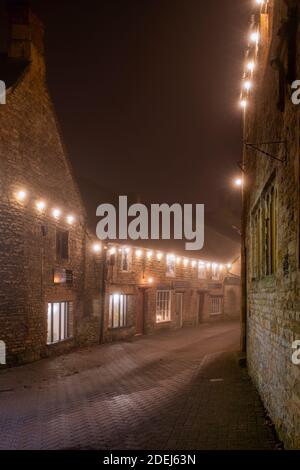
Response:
column 200, row 307
column 179, row 309
column 140, row 313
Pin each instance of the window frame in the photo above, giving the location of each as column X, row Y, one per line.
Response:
column 122, row 314
column 163, row 306
column 67, row 312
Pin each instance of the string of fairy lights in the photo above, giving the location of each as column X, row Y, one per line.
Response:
column 159, row 256
column 45, row 209
column 251, row 58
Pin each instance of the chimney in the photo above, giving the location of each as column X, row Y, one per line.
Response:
column 26, row 31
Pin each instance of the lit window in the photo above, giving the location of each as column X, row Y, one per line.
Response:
column 163, row 306
column 118, row 310
column 59, row 322
column 216, row 305
column 171, row 266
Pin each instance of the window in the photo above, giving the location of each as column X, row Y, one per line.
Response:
column 201, row 270
column 163, row 306
column 125, row 259
column 171, row 266
column 59, row 322
column 264, row 238
column 216, row 305
column 118, row 310
column 62, row 245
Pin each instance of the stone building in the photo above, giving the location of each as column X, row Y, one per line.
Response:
column 146, row 291
column 48, row 279
column 271, row 210
column 59, row 289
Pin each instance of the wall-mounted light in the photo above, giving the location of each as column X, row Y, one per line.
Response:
column 150, row 280
column 238, row 182
column 243, row 104
column 208, row 265
column 229, row 266
column 186, row 263
column 112, row 251
column 178, row 260
column 149, row 254
column 159, row 256
column 138, row 253
column 194, row 263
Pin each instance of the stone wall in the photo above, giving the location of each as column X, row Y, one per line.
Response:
column 33, row 159
column 273, row 306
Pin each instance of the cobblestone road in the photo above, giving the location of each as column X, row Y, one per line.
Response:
column 175, row 390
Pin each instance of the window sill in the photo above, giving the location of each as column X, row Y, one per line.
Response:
column 61, row 342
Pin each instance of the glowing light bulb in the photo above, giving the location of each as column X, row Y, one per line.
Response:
column 41, row 206
column 254, row 37
column 149, row 254
column 96, row 247
column 138, row 253
column 247, row 85
column 251, row 66
column 186, row 262
column 229, row 266
column 238, row 182
column 208, row 265
column 150, row 280
column 159, row 256
column 56, row 213
column 178, row 260
column 194, row 264
column 112, row 251
column 70, row 219
column 243, row 104
column 21, row 195
column 127, row 250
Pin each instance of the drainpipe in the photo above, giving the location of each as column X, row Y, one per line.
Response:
column 103, row 293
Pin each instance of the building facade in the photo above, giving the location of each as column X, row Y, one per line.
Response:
column 147, row 291
column 48, row 280
column 271, row 211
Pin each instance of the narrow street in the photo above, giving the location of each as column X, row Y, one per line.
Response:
column 181, row 389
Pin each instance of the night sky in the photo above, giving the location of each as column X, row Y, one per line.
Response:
column 146, row 92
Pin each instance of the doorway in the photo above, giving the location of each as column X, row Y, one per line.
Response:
column 139, row 330
column 179, row 309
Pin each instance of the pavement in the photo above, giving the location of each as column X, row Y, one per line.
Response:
column 174, row 390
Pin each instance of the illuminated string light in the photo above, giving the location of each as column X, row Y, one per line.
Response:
column 112, row 251
column 254, row 37
column 149, row 254
column 21, row 195
column 96, row 247
column 194, row 263
column 243, row 104
column 185, row 262
column 251, row 66
column 150, row 280
column 70, row 219
column 229, row 266
column 247, row 85
column 41, row 206
column 238, row 182
column 56, row 213
column 178, row 260
column 138, row 253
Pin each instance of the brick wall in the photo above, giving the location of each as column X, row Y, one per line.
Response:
column 273, row 308
column 33, row 158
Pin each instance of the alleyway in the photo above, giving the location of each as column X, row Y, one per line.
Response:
column 180, row 389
